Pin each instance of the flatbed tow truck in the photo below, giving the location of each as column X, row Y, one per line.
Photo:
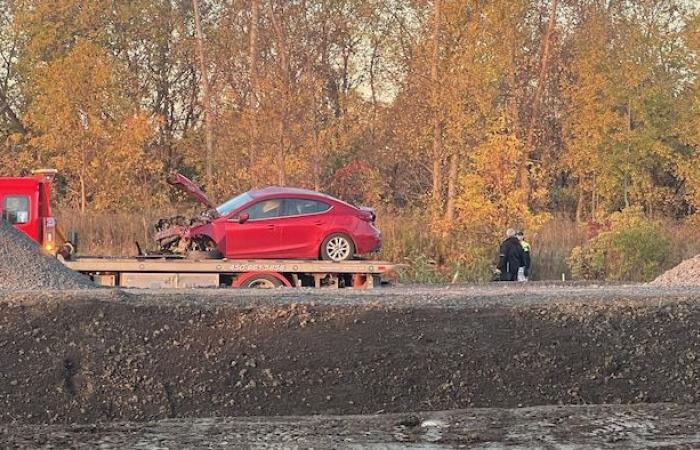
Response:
column 25, row 203
column 175, row 272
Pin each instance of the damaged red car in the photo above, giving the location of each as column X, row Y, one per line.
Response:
column 271, row 223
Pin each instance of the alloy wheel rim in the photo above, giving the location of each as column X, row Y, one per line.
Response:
column 338, row 248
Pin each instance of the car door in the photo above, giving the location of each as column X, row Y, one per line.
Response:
column 257, row 237
column 302, row 227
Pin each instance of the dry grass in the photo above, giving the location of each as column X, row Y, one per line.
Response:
column 552, row 245
column 111, row 234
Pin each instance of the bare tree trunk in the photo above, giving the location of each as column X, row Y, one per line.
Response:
column 254, row 100
column 281, row 173
column 83, row 194
column 316, row 162
column 452, row 188
column 373, row 85
column 579, row 207
column 316, row 158
column 536, row 104
column 512, row 113
column 629, row 150
column 209, row 134
column 284, row 119
column 437, row 122
column 12, row 117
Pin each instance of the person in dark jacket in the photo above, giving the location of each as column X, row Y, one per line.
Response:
column 511, row 257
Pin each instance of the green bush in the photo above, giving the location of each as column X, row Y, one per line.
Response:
column 631, row 248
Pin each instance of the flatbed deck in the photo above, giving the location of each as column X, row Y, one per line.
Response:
column 174, row 272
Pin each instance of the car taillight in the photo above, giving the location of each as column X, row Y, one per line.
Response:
column 367, row 214
column 49, row 234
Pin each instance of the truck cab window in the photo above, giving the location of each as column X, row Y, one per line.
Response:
column 15, row 209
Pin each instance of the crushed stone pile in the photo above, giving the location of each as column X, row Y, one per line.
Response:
column 687, row 272
column 24, row 266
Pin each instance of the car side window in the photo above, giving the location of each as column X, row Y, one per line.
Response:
column 299, row 206
column 15, row 209
column 265, row 209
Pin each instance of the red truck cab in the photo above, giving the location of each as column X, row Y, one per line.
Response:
column 25, row 202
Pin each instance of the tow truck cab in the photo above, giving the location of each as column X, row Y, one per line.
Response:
column 25, row 202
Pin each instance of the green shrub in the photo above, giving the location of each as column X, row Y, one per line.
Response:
column 631, row 248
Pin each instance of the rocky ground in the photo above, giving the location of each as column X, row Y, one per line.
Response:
column 104, row 355
column 562, row 427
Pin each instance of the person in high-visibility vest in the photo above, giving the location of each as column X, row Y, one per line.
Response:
column 524, row 272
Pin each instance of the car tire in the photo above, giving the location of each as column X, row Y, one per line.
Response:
column 262, row 282
column 337, row 247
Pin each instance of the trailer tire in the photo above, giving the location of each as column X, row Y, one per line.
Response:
column 261, row 282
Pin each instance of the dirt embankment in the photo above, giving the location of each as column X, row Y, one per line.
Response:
column 89, row 357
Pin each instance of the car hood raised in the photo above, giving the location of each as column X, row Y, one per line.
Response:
column 185, row 184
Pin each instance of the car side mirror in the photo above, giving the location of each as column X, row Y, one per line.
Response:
column 243, row 217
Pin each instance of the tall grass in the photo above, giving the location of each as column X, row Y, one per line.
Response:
column 552, row 245
column 435, row 258
column 111, row 234
column 407, row 239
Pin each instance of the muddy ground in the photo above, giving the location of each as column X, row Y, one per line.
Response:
column 104, row 355
column 564, row 427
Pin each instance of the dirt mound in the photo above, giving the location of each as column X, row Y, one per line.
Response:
column 83, row 357
column 687, row 272
column 23, row 266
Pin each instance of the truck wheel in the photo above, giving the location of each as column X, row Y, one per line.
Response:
column 261, row 282
column 337, row 247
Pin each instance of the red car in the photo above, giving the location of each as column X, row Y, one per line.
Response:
column 272, row 223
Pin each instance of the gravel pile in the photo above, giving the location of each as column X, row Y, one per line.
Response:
column 687, row 272
column 23, row 266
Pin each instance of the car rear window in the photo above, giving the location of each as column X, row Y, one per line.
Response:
column 300, row 206
column 15, row 209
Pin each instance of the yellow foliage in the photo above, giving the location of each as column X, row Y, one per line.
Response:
column 84, row 126
column 488, row 200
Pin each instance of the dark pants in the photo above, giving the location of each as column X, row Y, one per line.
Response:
column 510, row 273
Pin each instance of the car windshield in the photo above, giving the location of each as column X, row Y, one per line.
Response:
column 225, row 208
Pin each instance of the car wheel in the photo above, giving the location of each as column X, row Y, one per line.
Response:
column 337, row 247
column 261, row 282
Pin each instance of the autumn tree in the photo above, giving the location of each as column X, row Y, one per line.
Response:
column 622, row 106
column 12, row 128
column 689, row 125
column 79, row 114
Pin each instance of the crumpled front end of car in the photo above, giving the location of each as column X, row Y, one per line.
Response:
column 178, row 235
